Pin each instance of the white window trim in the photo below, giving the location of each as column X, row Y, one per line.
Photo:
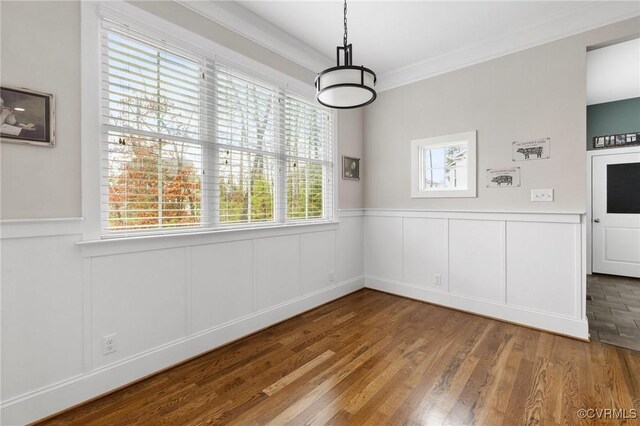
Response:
column 91, row 13
column 439, row 141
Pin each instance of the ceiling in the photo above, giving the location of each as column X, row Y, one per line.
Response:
column 408, row 40
column 606, row 83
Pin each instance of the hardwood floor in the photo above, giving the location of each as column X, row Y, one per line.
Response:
column 374, row 358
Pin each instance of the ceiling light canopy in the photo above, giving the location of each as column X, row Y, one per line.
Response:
column 347, row 85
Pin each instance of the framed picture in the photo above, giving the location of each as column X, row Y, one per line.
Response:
column 27, row 117
column 350, row 168
column 598, row 142
column 621, row 139
column 632, row 138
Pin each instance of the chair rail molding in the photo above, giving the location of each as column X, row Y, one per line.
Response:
column 25, row 228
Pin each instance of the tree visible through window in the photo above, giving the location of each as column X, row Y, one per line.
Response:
column 190, row 142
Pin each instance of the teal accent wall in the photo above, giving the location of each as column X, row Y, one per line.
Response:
column 612, row 118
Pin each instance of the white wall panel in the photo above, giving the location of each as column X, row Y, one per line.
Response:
column 167, row 299
column 350, row 248
column 41, row 313
column 476, row 259
column 425, row 247
column 541, row 267
column 276, row 269
column 383, row 247
column 317, row 251
column 221, row 283
column 525, row 268
column 141, row 298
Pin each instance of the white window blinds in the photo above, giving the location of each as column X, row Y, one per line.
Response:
column 190, row 142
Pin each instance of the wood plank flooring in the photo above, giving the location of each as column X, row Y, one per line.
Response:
column 374, row 358
column 613, row 309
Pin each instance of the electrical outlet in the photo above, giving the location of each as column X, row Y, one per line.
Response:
column 542, row 195
column 108, row 344
column 331, row 276
column 437, row 279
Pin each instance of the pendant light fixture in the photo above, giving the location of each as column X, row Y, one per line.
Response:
column 347, row 85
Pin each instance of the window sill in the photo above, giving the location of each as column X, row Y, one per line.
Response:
column 115, row 245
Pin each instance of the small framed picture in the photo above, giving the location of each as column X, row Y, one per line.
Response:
column 632, row 137
column 350, row 168
column 598, row 142
column 609, row 140
column 620, row 139
column 27, row 117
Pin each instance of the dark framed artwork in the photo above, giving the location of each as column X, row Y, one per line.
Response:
column 619, row 140
column 350, row 168
column 27, row 117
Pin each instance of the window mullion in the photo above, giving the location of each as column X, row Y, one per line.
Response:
column 281, row 179
column 210, row 206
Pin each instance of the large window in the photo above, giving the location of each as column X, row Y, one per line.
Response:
column 191, row 142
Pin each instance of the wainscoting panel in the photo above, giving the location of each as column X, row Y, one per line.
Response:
column 276, row 270
column 541, row 267
column 425, row 252
column 317, row 260
column 526, row 268
column 42, row 340
column 221, row 283
column 476, row 259
column 383, row 247
column 350, row 248
column 141, row 298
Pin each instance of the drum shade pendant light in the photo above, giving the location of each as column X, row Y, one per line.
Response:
column 347, row 85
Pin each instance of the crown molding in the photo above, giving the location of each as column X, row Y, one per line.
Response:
column 244, row 22
column 593, row 15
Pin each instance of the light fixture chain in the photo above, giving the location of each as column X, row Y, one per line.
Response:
column 345, row 23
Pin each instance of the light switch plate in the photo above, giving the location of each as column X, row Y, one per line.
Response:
column 542, row 195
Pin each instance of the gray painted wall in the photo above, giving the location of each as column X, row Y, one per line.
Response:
column 45, row 55
column 540, row 92
column 611, row 118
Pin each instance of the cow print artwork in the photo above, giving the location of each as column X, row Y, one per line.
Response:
column 536, row 149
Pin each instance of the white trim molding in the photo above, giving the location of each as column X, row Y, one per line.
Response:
column 555, row 217
column 559, row 324
column 244, row 22
column 26, row 228
column 110, row 246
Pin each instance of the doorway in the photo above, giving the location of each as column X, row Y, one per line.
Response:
column 616, row 214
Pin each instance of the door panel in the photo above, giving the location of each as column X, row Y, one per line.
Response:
column 616, row 214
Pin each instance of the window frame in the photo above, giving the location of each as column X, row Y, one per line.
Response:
column 91, row 124
column 417, row 166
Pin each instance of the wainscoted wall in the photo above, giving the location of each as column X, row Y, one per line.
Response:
column 166, row 300
column 523, row 268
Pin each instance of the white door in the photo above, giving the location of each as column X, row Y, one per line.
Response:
column 616, row 214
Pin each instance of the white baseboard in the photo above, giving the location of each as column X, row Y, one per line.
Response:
column 545, row 321
column 51, row 399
